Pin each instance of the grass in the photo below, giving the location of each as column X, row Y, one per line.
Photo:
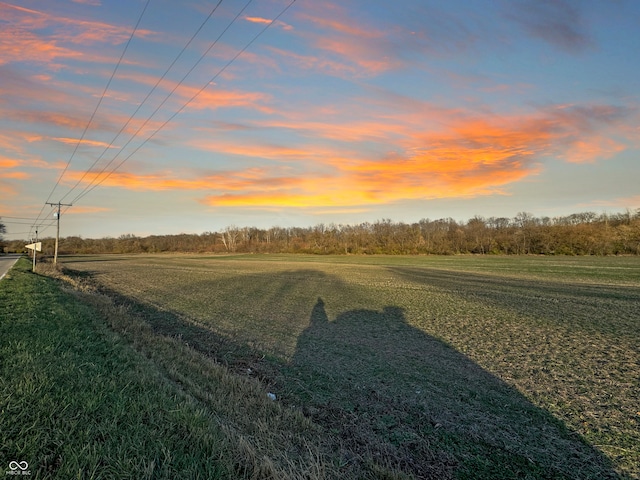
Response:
column 88, row 391
column 402, row 367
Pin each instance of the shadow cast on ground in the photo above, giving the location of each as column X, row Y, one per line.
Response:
column 432, row 411
column 395, row 399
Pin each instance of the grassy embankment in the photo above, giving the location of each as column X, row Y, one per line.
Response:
column 451, row 367
column 78, row 400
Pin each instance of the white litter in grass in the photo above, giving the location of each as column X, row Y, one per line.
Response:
column 272, row 396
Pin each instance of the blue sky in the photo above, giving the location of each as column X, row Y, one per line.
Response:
column 338, row 112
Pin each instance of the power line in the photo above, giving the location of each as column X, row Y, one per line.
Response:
column 35, row 223
column 135, row 29
column 93, row 183
column 39, row 227
column 131, row 117
column 19, row 233
column 104, row 92
column 258, row 35
column 13, row 222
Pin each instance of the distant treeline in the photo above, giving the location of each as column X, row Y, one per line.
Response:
column 577, row 234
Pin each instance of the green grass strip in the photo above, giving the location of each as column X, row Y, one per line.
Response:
column 76, row 401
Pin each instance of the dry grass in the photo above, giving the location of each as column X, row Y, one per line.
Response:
column 420, row 368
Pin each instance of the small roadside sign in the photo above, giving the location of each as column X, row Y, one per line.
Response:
column 35, row 246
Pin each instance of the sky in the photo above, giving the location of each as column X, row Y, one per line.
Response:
column 164, row 117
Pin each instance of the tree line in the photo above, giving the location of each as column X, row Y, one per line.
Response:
column 584, row 233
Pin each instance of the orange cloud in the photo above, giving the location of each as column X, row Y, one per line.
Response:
column 215, row 98
column 361, row 48
column 472, row 156
column 52, row 118
column 131, row 181
column 413, row 151
column 69, row 37
column 255, row 150
column 446, row 170
column 7, row 190
column 311, row 199
column 8, row 163
column 18, row 45
column 81, row 210
column 583, row 134
column 9, row 142
column 257, row 20
column 334, row 18
column 589, row 150
column 212, row 98
column 68, row 141
column 266, row 21
column 85, row 142
column 15, row 175
column 370, row 59
column 12, row 143
column 367, row 47
column 379, row 182
column 231, row 180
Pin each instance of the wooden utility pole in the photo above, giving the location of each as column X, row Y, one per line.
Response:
column 34, row 253
column 55, row 254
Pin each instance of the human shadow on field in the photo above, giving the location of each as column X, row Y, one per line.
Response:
column 414, row 404
column 395, row 397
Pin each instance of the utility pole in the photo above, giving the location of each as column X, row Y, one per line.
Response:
column 55, row 255
column 34, row 253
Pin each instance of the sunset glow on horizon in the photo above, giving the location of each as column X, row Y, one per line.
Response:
column 336, row 113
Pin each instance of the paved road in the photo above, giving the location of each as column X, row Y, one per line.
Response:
column 6, row 262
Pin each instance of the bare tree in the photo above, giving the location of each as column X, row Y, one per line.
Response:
column 230, row 238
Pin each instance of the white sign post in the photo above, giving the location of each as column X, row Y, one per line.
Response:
column 36, row 247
